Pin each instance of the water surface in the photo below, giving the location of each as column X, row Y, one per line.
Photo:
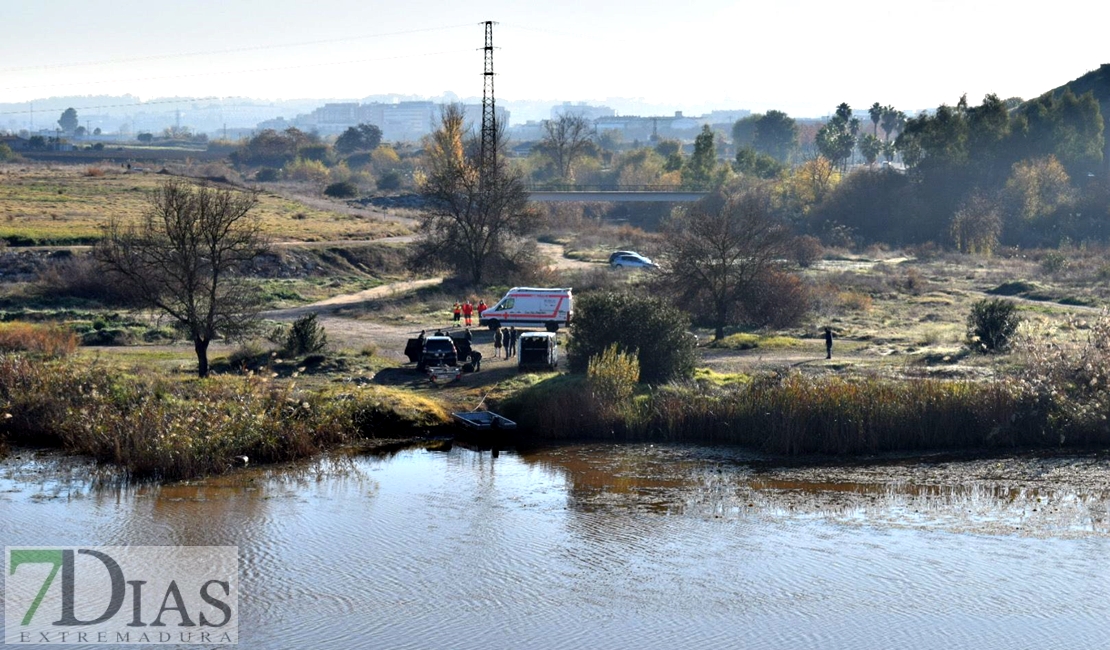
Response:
column 619, row 547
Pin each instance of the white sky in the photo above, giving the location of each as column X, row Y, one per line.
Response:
column 800, row 56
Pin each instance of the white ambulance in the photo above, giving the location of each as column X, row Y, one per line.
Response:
column 530, row 307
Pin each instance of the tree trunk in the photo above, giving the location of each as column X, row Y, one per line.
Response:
column 201, row 346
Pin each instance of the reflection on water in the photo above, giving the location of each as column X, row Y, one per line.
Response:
column 618, row 547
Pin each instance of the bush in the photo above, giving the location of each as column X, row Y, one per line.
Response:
column 267, row 175
column 991, row 324
column 1054, row 262
column 306, row 170
column 305, row 336
column 807, row 250
column 653, row 327
column 47, row 340
column 613, row 375
column 341, row 190
column 778, row 300
column 390, row 180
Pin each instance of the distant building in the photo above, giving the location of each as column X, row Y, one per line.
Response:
column 584, row 110
column 406, row 121
column 15, row 143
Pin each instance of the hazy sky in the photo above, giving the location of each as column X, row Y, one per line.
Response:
column 800, row 56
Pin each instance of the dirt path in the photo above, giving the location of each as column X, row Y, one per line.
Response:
column 346, row 300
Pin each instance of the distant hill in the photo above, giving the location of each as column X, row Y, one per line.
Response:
column 1096, row 82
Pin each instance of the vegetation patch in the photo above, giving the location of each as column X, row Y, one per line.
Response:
column 748, row 341
column 169, row 429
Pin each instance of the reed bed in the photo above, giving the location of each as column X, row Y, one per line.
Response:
column 795, row 414
column 171, row 429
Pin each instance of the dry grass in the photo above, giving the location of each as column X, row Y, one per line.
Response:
column 154, row 426
column 68, row 205
column 46, row 340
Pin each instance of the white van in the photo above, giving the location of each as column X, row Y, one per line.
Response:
column 530, row 307
column 537, row 350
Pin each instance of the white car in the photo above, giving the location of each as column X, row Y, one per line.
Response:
column 633, row 261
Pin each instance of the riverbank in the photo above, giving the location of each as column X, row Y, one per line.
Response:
column 152, row 426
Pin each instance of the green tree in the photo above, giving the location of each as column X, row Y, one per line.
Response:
column 870, row 147
column 837, row 138
column 750, row 162
column 671, row 151
column 776, row 135
column 719, row 247
column 876, row 114
column 184, row 257
column 743, row 131
column 68, row 121
column 698, row 173
column 893, row 121
column 650, row 327
column 364, row 137
column 470, row 224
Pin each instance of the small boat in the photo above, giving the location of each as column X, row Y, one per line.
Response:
column 482, row 420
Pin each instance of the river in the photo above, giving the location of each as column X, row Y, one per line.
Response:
column 618, row 546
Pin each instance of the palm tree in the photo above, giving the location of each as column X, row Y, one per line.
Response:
column 876, row 113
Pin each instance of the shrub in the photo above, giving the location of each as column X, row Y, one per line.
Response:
column 341, row 190
column 267, row 175
column 991, row 324
column 306, row 170
column 807, row 250
column 47, row 340
column 654, row 327
column 94, row 172
column 389, row 180
column 305, row 336
column 613, row 375
column 779, row 300
column 80, row 277
column 1054, row 262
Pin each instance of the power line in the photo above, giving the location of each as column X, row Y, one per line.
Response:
column 85, row 108
column 158, row 57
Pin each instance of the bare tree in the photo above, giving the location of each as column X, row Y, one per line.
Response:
column 718, row 248
column 183, row 259
column 566, row 140
column 470, row 226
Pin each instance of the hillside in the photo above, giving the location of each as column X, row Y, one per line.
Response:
column 1098, row 83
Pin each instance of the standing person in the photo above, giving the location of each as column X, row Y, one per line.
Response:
column 497, row 343
column 828, row 342
column 468, row 335
column 512, row 341
column 468, row 311
column 481, row 308
column 456, row 311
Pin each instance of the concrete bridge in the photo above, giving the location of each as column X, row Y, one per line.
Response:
column 612, row 193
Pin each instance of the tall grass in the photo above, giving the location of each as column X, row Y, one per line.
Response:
column 795, row 414
column 154, row 426
column 46, row 340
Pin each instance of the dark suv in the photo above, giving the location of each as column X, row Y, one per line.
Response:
column 438, row 351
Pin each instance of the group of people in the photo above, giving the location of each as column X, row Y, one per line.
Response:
column 504, row 337
column 465, row 310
